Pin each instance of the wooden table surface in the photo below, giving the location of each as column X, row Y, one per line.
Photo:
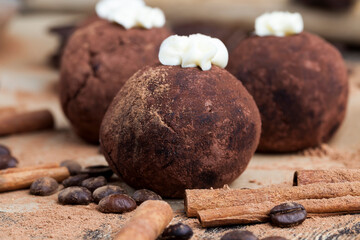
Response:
column 28, row 83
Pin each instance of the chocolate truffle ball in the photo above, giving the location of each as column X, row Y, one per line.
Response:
column 300, row 85
column 97, row 61
column 171, row 128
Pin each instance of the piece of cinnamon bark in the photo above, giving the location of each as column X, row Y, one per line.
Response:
column 21, row 180
column 26, row 122
column 259, row 212
column 304, row 177
column 29, row 168
column 149, row 221
column 202, row 199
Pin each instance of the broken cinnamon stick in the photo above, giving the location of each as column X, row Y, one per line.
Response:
column 21, row 180
column 304, row 177
column 149, row 221
column 26, row 122
column 23, row 169
column 257, row 213
column 202, row 199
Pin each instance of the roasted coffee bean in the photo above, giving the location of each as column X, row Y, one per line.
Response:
column 4, row 150
column 75, row 180
column 105, row 191
column 116, row 203
column 75, row 196
column 178, row 231
column 94, row 183
column 44, row 186
column 98, row 170
column 274, row 238
column 287, row 214
column 239, row 235
column 73, row 166
column 143, row 195
column 7, row 161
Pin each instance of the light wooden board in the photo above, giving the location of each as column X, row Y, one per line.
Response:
column 27, row 83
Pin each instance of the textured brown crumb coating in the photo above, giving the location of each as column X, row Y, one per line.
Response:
column 97, row 61
column 300, row 85
column 171, row 128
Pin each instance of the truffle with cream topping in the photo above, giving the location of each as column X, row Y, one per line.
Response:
column 185, row 124
column 171, row 128
column 97, row 61
column 300, row 85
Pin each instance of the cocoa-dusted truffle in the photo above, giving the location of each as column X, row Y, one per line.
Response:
column 97, row 61
column 300, row 85
column 171, row 128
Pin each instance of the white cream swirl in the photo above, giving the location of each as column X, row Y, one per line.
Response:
column 192, row 51
column 130, row 13
column 279, row 24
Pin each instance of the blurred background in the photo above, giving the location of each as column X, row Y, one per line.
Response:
column 336, row 20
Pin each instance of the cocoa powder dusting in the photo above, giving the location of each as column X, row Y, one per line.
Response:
column 350, row 159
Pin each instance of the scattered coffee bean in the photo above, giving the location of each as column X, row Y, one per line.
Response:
column 73, row 166
column 116, row 203
column 4, row 150
column 94, row 183
column 274, row 238
column 75, row 196
column 239, row 235
column 177, row 231
column 75, row 180
column 288, row 215
column 44, row 186
column 98, row 170
column 105, row 191
column 143, row 195
column 7, row 161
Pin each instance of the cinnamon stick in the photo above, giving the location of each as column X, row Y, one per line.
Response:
column 256, row 213
column 20, row 180
column 24, row 169
column 202, row 199
column 304, row 177
column 26, row 122
column 149, row 221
